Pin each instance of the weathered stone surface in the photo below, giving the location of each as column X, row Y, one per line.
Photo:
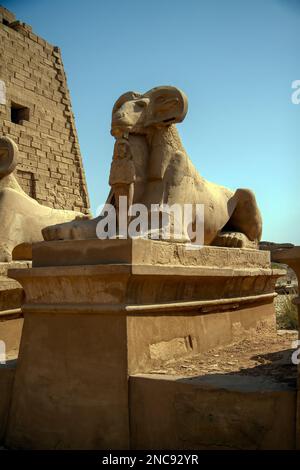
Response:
column 291, row 257
column 11, row 299
column 23, row 218
column 6, row 16
column 140, row 251
column 88, row 327
column 70, row 390
column 7, row 374
column 272, row 246
column 211, row 412
column 150, row 166
column 32, row 78
column 11, row 292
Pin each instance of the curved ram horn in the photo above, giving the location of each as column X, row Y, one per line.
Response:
column 168, row 105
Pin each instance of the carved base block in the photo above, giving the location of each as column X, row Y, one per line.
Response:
column 11, row 298
column 125, row 305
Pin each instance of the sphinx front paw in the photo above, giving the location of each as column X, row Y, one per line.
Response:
column 75, row 230
column 58, row 232
column 234, row 240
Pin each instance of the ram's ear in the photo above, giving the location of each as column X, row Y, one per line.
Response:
column 168, row 105
column 128, row 96
column 8, row 156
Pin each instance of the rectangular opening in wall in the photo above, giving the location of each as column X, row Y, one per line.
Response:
column 19, row 113
column 27, row 182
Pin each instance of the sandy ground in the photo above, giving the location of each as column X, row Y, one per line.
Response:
column 263, row 352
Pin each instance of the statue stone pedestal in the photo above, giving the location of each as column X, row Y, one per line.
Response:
column 291, row 256
column 98, row 311
column 11, row 298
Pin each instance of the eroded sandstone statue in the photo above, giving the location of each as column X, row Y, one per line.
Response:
column 159, row 171
column 22, row 218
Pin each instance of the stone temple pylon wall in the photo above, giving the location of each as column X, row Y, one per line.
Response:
column 35, row 111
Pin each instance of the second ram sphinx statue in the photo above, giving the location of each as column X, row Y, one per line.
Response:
column 22, row 217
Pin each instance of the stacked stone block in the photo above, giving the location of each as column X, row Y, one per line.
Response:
column 35, row 110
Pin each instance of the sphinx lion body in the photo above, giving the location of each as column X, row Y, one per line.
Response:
column 164, row 174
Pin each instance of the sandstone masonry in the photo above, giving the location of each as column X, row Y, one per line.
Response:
column 35, row 111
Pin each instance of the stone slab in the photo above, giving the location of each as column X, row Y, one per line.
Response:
column 88, row 327
column 71, row 388
column 11, row 292
column 11, row 299
column 7, row 374
column 290, row 256
column 216, row 412
column 143, row 252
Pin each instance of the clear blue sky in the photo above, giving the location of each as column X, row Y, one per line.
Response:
column 235, row 60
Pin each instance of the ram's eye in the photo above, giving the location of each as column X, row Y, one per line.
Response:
column 141, row 104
